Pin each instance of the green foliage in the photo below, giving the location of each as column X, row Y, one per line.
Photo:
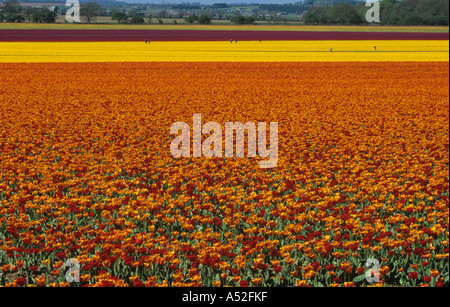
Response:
column 392, row 12
column 43, row 16
column 12, row 7
column 240, row 20
column 119, row 17
column 13, row 12
column 137, row 20
column 415, row 12
column 316, row 15
column 12, row 18
column 204, row 19
column 191, row 19
column 28, row 12
column 90, row 10
column 344, row 13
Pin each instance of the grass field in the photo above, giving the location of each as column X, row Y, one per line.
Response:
column 273, row 51
column 105, row 23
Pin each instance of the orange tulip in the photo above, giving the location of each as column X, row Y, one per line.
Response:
column 384, row 270
column 434, row 273
column 85, row 277
column 257, row 281
column 151, row 281
column 41, row 281
column 90, row 173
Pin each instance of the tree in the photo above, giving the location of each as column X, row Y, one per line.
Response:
column 344, row 13
column 415, row 12
column 240, row 20
column 90, row 10
column 2, row 17
column 12, row 18
column 316, row 15
column 204, row 19
column 387, row 12
column 12, row 7
column 120, row 17
column 137, row 20
column 412, row 20
column 28, row 12
column 392, row 12
column 191, row 19
column 50, row 17
column 43, row 16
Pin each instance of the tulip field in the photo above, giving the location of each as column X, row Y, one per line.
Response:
column 86, row 172
column 243, row 51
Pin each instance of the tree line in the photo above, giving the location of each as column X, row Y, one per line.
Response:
column 15, row 13
column 392, row 12
column 342, row 12
column 292, row 8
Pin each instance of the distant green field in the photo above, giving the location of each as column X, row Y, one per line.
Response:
column 106, row 23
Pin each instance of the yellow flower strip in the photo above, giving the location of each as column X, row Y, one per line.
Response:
column 243, row 51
